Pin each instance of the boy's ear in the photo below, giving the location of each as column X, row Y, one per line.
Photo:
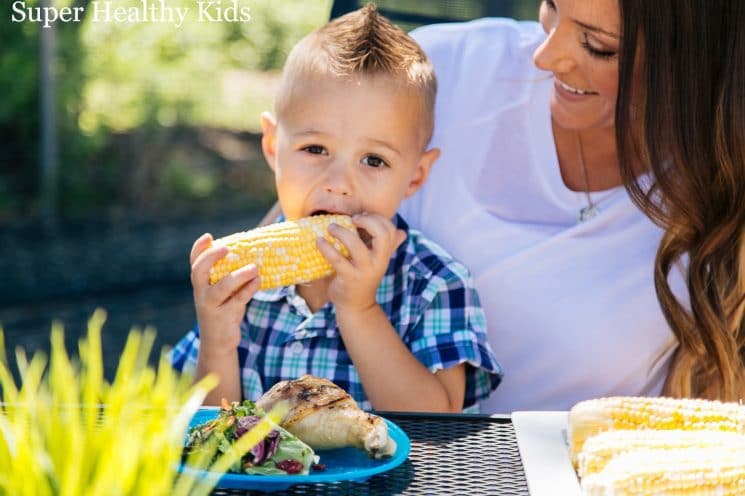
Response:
column 422, row 170
column 269, row 138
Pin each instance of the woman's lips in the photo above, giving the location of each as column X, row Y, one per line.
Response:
column 570, row 93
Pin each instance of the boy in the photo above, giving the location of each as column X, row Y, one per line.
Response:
column 399, row 325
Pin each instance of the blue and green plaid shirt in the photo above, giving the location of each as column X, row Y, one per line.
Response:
column 429, row 298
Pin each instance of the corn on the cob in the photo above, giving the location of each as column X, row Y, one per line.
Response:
column 601, row 448
column 591, row 417
column 285, row 253
column 681, row 472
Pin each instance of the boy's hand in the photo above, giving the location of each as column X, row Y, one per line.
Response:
column 357, row 278
column 220, row 307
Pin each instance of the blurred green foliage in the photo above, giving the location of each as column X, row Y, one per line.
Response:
column 154, row 73
column 125, row 89
column 149, row 115
column 18, row 107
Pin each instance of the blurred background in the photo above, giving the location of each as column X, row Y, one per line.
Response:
column 121, row 143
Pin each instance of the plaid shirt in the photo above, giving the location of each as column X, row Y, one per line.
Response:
column 428, row 297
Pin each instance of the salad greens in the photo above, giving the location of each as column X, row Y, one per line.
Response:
column 280, row 453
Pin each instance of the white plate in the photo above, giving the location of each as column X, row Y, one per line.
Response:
column 542, row 440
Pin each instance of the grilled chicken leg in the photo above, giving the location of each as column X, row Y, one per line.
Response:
column 324, row 416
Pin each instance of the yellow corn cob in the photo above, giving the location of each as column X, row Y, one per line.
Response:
column 681, row 472
column 591, row 417
column 285, row 253
column 601, row 448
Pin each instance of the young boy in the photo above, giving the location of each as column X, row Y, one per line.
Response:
column 399, row 325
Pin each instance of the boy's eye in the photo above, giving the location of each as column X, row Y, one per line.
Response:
column 315, row 149
column 373, row 161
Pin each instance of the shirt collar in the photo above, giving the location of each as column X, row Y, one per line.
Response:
column 270, row 295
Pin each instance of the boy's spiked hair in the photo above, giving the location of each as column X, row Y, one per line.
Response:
column 362, row 42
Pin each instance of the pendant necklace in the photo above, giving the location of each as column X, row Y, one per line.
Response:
column 590, row 210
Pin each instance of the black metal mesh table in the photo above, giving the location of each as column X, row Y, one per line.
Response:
column 451, row 455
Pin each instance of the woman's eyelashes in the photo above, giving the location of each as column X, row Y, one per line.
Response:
column 597, row 52
column 593, row 51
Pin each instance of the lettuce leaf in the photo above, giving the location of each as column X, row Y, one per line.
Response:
column 230, row 425
column 290, row 448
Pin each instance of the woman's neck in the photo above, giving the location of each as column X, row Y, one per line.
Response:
column 597, row 151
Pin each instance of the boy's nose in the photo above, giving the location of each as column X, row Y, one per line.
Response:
column 338, row 180
column 337, row 190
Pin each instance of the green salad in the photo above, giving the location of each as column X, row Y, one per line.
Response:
column 280, row 453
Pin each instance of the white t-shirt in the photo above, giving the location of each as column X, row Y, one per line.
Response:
column 571, row 307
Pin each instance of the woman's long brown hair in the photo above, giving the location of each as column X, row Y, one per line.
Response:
column 681, row 114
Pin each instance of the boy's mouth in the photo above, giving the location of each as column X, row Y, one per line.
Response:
column 326, row 212
column 364, row 235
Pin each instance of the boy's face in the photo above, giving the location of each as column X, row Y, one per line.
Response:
column 347, row 146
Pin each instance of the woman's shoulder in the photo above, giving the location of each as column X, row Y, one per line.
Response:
column 488, row 29
column 492, row 41
column 482, row 66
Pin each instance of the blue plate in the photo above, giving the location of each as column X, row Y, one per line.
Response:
column 345, row 464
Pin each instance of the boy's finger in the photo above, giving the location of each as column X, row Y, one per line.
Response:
column 337, row 260
column 247, row 291
column 379, row 228
column 233, row 282
column 200, row 268
column 203, row 242
column 359, row 251
column 349, row 239
column 225, row 290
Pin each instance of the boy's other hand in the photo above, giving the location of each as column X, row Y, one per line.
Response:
column 220, row 307
column 357, row 279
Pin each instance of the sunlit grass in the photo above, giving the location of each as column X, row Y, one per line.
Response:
column 67, row 431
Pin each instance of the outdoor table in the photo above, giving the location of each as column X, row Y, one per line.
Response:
column 451, row 454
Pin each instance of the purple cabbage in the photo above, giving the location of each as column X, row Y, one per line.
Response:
column 264, row 449
column 258, row 453
column 244, row 424
column 273, row 443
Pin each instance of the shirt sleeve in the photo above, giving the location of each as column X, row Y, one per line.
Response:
column 183, row 356
column 452, row 330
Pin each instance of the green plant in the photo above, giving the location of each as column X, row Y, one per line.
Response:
column 67, row 431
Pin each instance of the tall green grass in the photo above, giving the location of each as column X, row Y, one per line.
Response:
column 66, row 431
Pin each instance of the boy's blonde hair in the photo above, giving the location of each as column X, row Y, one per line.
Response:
column 362, row 42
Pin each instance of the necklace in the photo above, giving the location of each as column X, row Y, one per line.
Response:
column 590, row 210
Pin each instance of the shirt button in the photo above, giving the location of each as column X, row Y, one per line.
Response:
column 296, row 348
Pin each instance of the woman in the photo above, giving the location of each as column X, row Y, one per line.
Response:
column 597, row 192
